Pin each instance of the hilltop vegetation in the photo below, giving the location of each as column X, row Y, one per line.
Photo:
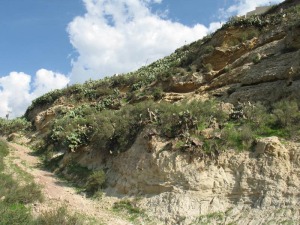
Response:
column 109, row 113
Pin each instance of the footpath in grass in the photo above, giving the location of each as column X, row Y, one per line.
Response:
column 16, row 196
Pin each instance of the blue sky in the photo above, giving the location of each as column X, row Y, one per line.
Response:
column 46, row 44
column 33, row 34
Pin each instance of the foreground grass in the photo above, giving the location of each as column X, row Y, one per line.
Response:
column 15, row 197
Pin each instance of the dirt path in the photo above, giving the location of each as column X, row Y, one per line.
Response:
column 57, row 192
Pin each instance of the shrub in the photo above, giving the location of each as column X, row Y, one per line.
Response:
column 16, row 125
column 77, row 173
column 3, row 152
column 287, row 113
column 128, row 207
column 157, row 93
column 24, row 194
column 95, row 181
column 208, row 67
column 256, row 58
column 208, row 49
column 58, row 216
column 227, row 69
column 45, row 99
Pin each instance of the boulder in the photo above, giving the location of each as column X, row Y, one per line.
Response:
column 270, row 146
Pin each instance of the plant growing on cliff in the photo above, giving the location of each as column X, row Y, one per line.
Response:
column 95, row 181
column 129, row 207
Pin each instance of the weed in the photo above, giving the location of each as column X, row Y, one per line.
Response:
column 58, row 216
column 256, row 58
column 227, row 69
column 128, row 207
column 157, row 94
column 212, row 218
column 95, row 181
column 15, row 214
column 98, row 195
column 15, row 125
column 208, row 49
column 208, row 68
column 15, row 196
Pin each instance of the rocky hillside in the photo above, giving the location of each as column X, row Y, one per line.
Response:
column 209, row 134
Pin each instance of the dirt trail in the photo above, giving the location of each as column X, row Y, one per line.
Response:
column 56, row 192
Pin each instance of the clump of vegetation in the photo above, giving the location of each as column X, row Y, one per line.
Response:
column 208, row 49
column 208, row 68
column 129, row 207
column 76, row 173
column 256, row 58
column 114, row 131
column 14, row 196
column 15, row 125
column 95, row 181
column 45, row 99
column 212, row 218
column 3, row 152
column 58, row 216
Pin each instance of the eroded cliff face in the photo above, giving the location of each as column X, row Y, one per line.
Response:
column 264, row 68
column 177, row 188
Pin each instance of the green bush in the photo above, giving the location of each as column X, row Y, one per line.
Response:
column 208, row 49
column 256, row 58
column 59, row 216
column 45, row 99
column 287, row 113
column 157, row 94
column 95, row 181
column 130, row 208
column 238, row 137
column 76, row 173
column 24, row 194
column 208, row 67
column 15, row 125
column 3, row 152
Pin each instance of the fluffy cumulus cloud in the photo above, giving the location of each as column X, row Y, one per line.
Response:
column 46, row 81
column 241, row 7
column 117, row 36
column 18, row 89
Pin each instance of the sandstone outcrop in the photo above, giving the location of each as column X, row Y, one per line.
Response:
column 178, row 191
column 43, row 118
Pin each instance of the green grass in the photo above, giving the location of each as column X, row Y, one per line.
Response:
column 128, row 207
column 15, row 196
column 15, row 214
column 212, row 218
column 59, row 216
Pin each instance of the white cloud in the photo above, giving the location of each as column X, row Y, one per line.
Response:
column 243, row 6
column 46, row 81
column 117, row 36
column 16, row 93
